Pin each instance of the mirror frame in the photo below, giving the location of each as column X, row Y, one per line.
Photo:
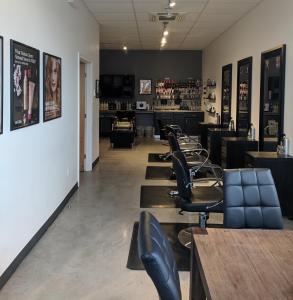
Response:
column 278, row 51
column 225, row 68
column 242, row 62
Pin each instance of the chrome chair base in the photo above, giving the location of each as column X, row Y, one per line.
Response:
column 185, row 235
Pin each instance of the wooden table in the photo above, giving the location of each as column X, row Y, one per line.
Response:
column 242, row 264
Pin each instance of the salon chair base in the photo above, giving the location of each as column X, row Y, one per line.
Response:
column 122, row 139
column 185, row 235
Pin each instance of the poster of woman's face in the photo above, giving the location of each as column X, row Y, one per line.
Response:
column 52, row 87
column 1, row 84
column 25, row 64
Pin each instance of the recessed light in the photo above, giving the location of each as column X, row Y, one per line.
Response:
column 124, row 48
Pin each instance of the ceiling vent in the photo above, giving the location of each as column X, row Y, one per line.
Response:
column 166, row 17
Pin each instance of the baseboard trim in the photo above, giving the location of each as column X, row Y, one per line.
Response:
column 29, row 246
column 95, row 162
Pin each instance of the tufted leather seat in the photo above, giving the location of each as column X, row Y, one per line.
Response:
column 251, row 199
column 157, row 257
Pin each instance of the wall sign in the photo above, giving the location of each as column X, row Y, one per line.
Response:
column 52, row 92
column 24, row 85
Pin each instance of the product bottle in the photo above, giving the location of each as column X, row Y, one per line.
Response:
column 284, row 142
column 231, row 125
column 218, row 118
column 251, row 132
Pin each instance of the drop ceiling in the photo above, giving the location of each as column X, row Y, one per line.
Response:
column 127, row 22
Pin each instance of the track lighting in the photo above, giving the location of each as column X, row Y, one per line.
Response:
column 172, row 3
column 165, row 30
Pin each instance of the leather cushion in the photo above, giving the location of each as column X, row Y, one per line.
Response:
column 251, row 200
column 157, row 257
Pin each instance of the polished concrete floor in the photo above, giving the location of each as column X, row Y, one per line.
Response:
column 83, row 255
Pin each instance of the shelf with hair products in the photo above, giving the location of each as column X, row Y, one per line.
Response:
column 271, row 119
column 243, row 114
column 226, row 95
column 180, row 94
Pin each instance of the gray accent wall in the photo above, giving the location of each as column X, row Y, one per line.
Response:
column 152, row 64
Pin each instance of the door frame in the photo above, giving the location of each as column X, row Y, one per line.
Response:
column 88, row 111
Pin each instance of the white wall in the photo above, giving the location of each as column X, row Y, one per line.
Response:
column 39, row 164
column 269, row 25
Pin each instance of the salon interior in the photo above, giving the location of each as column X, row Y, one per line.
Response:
column 165, row 169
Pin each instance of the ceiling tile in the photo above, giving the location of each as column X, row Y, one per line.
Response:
column 127, row 22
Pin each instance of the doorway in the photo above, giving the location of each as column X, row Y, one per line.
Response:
column 85, row 115
column 82, row 115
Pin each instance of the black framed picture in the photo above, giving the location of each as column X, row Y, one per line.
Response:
column 145, row 87
column 52, row 83
column 24, row 85
column 1, row 84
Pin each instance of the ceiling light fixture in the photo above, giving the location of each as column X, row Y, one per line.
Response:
column 172, row 3
column 165, row 29
column 124, row 48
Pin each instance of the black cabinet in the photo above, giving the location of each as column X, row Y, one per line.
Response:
column 203, row 132
column 106, row 121
column 179, row 119
column 233, row 151
column 215, row 142
column 282, row 171
column 192, row 121
column 117, row 86
column 165, row 118
column 188, row 121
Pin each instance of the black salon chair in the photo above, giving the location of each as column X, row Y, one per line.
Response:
column 157, row 257
column 182, row 137
column 251, row 200
column 161, row 129
column 123, row 130
column 203, row 199
column 198, row 161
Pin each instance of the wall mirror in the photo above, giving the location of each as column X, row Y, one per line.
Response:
column 226, row 95
column 243, row 113
column 271, row 119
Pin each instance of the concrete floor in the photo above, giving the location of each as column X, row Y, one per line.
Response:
column 83, row 255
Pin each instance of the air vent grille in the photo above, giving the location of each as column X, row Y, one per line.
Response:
column 166, row 17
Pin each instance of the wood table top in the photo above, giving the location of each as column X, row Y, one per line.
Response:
column 245, row 263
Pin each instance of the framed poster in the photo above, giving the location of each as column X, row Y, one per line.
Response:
column 145, row 87
column 51, row 87
column 24, row 85
column 1, row 84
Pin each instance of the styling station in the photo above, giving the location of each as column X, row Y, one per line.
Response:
column 146, row 150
